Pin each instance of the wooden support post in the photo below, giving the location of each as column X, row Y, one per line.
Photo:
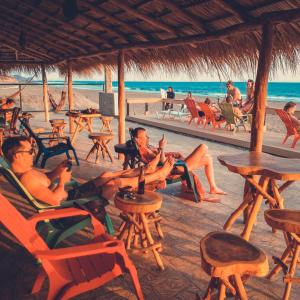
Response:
column 70, row 97
column 45, row 94
column 146, row 109
column 121, row 97
column 108, row 80
column 20, row 97
column 261, row 83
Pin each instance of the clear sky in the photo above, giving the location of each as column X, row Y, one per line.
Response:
column 162, row 76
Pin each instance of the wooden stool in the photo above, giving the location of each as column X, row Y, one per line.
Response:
column 137, row 214
column 58, row 126
column 106, row 121
column 226, row 258
column 289, row 222
column 101, row 141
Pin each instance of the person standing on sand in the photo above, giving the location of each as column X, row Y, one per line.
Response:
column 234, row 92
column 170, row 95
column 248, row 105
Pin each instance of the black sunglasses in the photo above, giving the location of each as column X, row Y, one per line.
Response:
column 31, row 151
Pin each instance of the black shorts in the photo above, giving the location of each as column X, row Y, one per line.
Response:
column 201, row 114
column 84, row 190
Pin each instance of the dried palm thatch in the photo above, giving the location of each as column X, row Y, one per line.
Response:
column 192, row 35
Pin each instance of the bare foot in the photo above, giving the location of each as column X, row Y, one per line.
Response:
column 217, row 191
column 152, row 165
column 166, row 169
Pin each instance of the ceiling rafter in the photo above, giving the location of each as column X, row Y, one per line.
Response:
column 90, row 20
column 103, row 12
column 274, row 17
column 237, row 9
column 189, row 17
column 49, row 27
column 32, row 53
column 45, row 51
column 145, row 18
column 30, row 30
column 67, row 24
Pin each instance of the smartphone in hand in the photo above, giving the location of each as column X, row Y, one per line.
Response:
column 69, row 166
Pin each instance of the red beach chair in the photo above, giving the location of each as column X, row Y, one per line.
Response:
column 74, row 270
column 210, row 116
column 191, row 106
column 290, row 128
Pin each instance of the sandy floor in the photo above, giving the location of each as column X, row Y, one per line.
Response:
column 184, row 224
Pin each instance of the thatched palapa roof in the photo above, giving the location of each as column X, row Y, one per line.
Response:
column 168, row 33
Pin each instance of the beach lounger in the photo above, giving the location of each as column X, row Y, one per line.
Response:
column 57, row 231
column 47, row 152
column 72, row 270
column 291, row 130
column 231, row 118
column 210, row 117
column 192, row 108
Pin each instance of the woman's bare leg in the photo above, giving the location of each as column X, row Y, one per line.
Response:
column 200, row 158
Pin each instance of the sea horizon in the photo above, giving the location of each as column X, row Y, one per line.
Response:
column 277, row 91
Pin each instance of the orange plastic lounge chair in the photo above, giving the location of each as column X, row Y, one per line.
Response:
column 74, row 270
column 290, row 128
column 210, row 116
column 191, row 106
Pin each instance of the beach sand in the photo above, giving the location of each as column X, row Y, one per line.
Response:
column 32, row 100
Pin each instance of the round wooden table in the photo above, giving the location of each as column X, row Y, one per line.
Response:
column 225, row 256
column 58, row 126
column 261, row 171
column 101, row 141
column 137, row 215
column 289, row 222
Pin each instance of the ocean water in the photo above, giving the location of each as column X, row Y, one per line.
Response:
column 277, row 91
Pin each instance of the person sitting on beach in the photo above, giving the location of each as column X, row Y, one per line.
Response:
column 236, row 109
column 214, row 109
column 248, row 105
column 197, row 159
column 19, row 153
column 170, row 95
column 290, row 108
column 7, row 103
column 234, row 92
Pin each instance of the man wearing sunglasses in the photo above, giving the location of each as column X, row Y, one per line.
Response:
column 19, row 153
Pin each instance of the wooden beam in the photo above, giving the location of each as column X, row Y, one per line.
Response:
column 145, row 18
column 104, row 13
column 60, row 31
column 108, row 80
column 261, row 84
column 27, row 51
column 70, row 96
column 11, row 35
column 70, row 25
column 23, row 62
column 33, row 39
column 276, row 18
column 121, row 97
column 237, row 9
column 45, row 94
column 189, row 17
column 41, row 34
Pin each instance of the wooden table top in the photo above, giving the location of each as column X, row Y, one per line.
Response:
column 283, row 219
column 76, row 114
column 147, row 202
column 101, row 135
column 252, row 163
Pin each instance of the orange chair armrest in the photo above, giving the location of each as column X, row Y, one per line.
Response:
column 109, row 247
